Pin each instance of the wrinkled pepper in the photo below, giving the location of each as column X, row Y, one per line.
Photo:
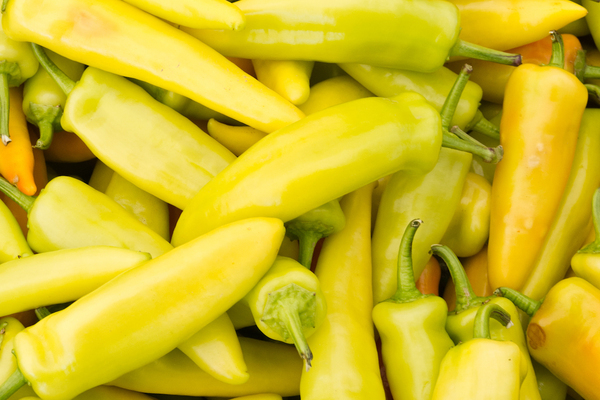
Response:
column 460, row 322
column 539, row 142
column 483, row 368
column 470, row 226
column 346, row 364
column 44, row 100
column 68, row 214
column 564, row 332
column 273, row 368
column 176, row 165
column 193, row 69
column 291, row 79
column 413, row 35
column 288, row 305
column 412, row 330
column 13, row 245
column 568, row 231
column 201, row 280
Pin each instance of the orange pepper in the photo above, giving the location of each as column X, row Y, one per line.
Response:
column 429, row 280
column 68, row 147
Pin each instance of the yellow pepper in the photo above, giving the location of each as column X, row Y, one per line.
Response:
column 13, row 245
column 236, row 139
column 291, row 79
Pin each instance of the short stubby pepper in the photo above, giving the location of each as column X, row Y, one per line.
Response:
column 413, row 35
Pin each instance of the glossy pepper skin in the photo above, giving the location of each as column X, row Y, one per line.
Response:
column 13, row 244
column 194, row 70
column 412, row 35
column 68, row 214
column 564, row 331
column 482, row 368
column 412, row 330
column 568, row 230
column 288, row 304
column 346, row 364
column 273, row 368
column 460, row 321
column 539, row 141
column 309, row 163
column 201, row 280
column 291, row 79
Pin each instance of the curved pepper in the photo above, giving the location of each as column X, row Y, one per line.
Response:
column 568, row 230
column 459, row 323
column 104, row 109
column 483, row 368
column 412, row 35
column 578, row 28
column 44, row 100
column 539, row 142
column 288, row 305
column 193, row 70
column 412, row 330
column 291, row 79
column 470, row 226
column 476, row 268
column 317, row 159
column 506, row 24
column 16, row 160
column 204, row 14
column 201, row 281
column 346, row 364
column 68, row 214
column 564, row 331
column 273, row 368
column 13, row 244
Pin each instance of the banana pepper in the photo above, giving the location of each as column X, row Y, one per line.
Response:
column 13, row 244
column 236, row 139
column 291, row 79
column 333, row 91
column 119, row 38
column 412, row 330
column 586, row 262
column 564, row 332
column 201, row 280
column 413, row 35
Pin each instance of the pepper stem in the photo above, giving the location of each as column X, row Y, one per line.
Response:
column 46, row 133
column 12, row 384
column 526, row 304
column 557, row 59
column 407, row 289
column 307, row 241
column 465, row 296
column 42, row 312
column 488, row 154
column 292, row 322
column 61, row 79
column 4, row 4
column 5, row 111
column 471, row 50
column 482, row 125
column 26, row 202
column 594, row 247
column 451, row 102
column 481, row 323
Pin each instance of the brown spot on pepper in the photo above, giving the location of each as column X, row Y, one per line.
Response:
column 536, row 336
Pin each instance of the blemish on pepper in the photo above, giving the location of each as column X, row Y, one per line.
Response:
column 536, row 336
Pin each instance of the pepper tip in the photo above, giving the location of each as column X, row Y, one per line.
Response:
column 6, row 140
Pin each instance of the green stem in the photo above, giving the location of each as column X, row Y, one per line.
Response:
column 481, row 323
column 407, row 289
column 558, row 50
column 471, row 50
column 594, row 247
column 16, row 195
column 12, row 384
column 307, row 241
column 61, row 79
column 291, row 319
column 482, row 125
column 580, row 65
column 4, row 4
column 451, row 102
column 465, row 296
column 46, row 134
column 42, row 312
column 526, row 304
column 594, row 92
column 488, row 154
column 5, row 112
column 464, row 135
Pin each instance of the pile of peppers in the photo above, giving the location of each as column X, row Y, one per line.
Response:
column 300, row 199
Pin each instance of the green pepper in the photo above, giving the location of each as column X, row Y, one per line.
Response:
column 412, row 330
column 44, row 100
column 104, row 109
column 18, row 63
column 13, row 244
column 68, row 214
column 586, row 262
column 413, row 35
column 551, row 388
column 314, row 225
column 434, row 86
column 148, row 209
column 460, row 322
column 288, row 305
column 483, row 368
column 273, row 368
column 61, row 276
column 155, row 307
